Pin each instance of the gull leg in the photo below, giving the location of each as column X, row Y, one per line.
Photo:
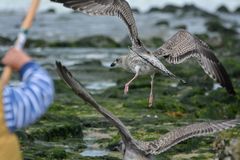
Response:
column 150, row 100
column 126, row 88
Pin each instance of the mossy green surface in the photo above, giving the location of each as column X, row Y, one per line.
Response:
column 60, row 133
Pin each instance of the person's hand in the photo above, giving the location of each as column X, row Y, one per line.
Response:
column 15, row 58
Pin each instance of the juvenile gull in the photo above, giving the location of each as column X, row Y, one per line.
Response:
column 177, row 49
column 139, row 150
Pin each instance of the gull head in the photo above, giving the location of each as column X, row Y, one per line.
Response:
column 119, row 62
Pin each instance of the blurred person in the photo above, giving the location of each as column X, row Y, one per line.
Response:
column 24, row 103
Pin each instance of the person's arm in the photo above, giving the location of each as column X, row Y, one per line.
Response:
column 25, row 103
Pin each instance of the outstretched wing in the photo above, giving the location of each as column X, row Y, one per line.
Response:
column 82, row 93
column 183, row 46
column 118, row 8
column 176, row 136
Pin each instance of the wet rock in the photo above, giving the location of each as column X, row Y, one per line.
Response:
column 215, row 41
column 195, row 11
column 55, row 132
column 167, row 8
column 115, row 144
column 227, row 149
column 175, row 105
column 50, row 11
column 234, row 65
column 165, row 104
column 92, row 41
column 99, row 158
column 154, row 9
column 237, row 10
column 188, row 8
column 62, row 44
column 154, row 42
column 34, row 43
column 223, row 9
column 57, row 153
column 181, row 27
column 203, row 36
column 215, row 25
column 94, row 63
column 136, row 10
column 5, row 41
column 98, row 42
column 170, row 8
column 160, row 23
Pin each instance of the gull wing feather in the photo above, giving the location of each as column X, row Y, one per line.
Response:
column 119, row 8
column 82, row 93
column 183, row 46
column 178, row 135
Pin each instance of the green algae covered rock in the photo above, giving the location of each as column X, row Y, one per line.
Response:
column 160, row 23
column 223, row 9
column 92, row 41
column 237, row 10
column 5, row 41
column 215, row 25
column 154, row 42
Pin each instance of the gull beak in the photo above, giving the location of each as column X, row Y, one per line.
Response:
column 113, row 64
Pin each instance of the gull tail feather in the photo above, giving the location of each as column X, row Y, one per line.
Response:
column 156, row 63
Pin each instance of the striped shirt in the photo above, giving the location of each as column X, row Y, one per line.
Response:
column 28, row 101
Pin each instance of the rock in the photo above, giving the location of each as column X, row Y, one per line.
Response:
column 215, row 41
column 171, row 8
column 62, row 44
column 95, row 63
column 181, row 27
column 223, row 9
column 135, row 10
column 34, row 43
column 237, row 10
column 57, row 153
column 203, row 36
column 195, row 11
column 167, row 8
column 54, row 132
column 98, row 41
column 154, row 9
column 50, row 11
column 160, row 23
column 216, row 26
column 188, row 8
column 5, row 41
column 228, row 149
column 154, row 42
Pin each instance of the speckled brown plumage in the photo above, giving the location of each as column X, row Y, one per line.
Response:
column 183, row 46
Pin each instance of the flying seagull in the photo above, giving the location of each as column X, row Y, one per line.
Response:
column 177, row 49
column 140, row 150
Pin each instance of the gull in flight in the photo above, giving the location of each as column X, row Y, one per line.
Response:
column 144, row 150
column 141, row 61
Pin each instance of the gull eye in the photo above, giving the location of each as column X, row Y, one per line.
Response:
column 117, row 60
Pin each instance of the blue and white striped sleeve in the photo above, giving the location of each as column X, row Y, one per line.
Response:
column 25, row 103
